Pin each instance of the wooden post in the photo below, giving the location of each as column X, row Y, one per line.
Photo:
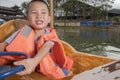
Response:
column 51, row 13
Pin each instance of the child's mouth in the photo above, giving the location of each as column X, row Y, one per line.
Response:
column 39, row 22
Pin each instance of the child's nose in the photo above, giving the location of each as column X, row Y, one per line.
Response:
column 39, row 15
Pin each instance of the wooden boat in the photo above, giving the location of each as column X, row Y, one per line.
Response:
column 82, row 61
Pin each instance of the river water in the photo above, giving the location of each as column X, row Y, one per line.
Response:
column 98, row 41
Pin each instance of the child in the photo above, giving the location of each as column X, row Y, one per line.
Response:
column 40, row 42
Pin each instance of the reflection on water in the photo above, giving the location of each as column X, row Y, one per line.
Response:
column 95, row 41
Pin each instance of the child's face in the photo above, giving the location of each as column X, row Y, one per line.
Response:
column 38, row 15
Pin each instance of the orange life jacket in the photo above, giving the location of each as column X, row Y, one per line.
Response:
column 24, row 42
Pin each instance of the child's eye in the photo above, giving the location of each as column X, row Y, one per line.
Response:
column 33, row 12
column 43, row 12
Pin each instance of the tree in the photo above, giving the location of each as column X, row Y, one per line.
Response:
column 56, row 7
column 102, row 5
column 106, row 5
column 69, row 8
column 24, row 7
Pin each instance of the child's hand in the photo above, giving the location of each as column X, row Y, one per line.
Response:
column 2, row 46
column 29, row 65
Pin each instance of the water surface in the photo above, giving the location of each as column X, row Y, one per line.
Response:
column 99, row 41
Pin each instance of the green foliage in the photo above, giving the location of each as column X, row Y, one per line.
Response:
column 24, row 7
column 116, row 19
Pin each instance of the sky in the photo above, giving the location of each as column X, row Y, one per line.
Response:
column 116, row 4
column 10, row 3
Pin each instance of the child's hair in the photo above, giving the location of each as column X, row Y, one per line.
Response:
column 36, row 1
